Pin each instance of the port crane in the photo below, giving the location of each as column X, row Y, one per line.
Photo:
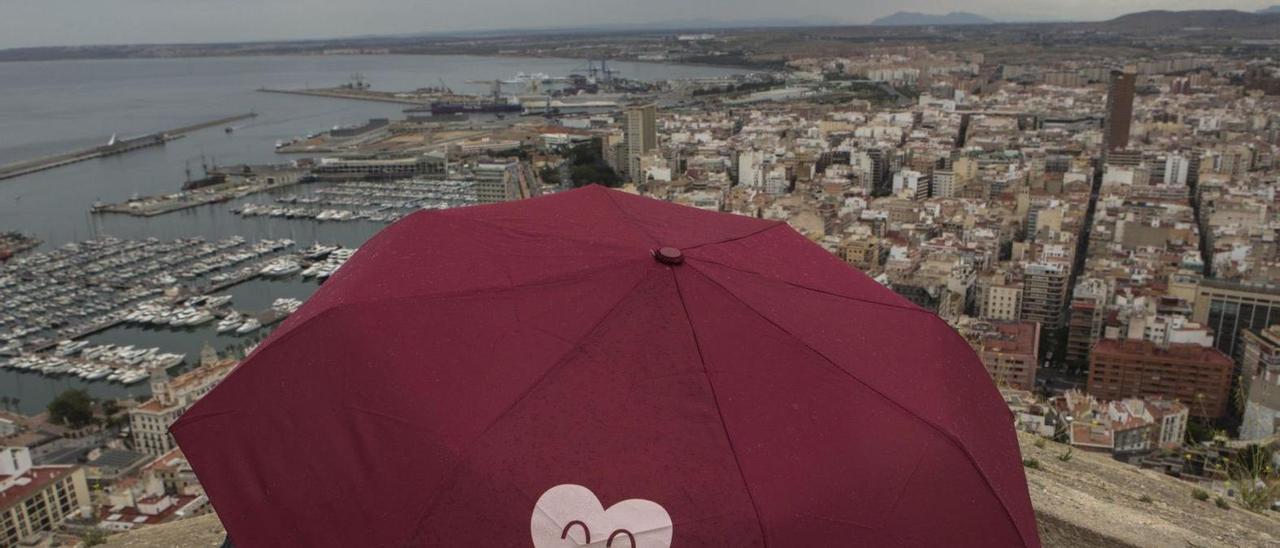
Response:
column 598, row 74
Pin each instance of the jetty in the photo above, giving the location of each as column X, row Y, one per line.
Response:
column 113, row 147
column 352, row 94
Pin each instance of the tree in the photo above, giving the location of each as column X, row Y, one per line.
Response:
column 550, row 175
column 587, row 166
column 73, row 408
column 94, row 537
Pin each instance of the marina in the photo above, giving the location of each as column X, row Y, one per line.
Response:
column 172, row 286
column 123, row 364
column 376, row 201
column 80, row 289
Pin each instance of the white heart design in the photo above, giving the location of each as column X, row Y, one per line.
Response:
column 570, row 516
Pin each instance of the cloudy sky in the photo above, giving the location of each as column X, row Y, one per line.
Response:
column 77, row 22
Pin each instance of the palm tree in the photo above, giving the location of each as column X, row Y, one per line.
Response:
column 4, row 401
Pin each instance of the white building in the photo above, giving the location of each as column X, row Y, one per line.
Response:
column 150, row 421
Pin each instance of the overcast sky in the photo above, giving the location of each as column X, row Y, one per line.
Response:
column 78, row 22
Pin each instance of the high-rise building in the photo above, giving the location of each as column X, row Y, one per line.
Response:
column 944, row 184
column 751, row 169
column 1085, row 320
column 1044, row 292
column 875, row 172
column 1197, row 376
column 1119, row 111
column 1229, row 308
column 1084, row 328
column 1176, row 170
column 913, row 184
column 642, row 137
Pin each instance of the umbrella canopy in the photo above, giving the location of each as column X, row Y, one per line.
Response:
column 599, row 369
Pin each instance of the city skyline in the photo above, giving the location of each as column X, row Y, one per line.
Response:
column 670, row 283
column 67, row 23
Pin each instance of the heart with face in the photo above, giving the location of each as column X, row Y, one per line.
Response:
column 570, row 516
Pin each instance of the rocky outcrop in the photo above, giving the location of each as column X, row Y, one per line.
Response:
column 1086, row 501
column 1091, row 500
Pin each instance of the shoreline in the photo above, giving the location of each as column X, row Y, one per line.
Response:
column 75, row 58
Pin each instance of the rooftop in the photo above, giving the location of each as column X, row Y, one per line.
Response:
column 1012, row 338
column 36, row 479
column 133, row 517
column 1177, row 351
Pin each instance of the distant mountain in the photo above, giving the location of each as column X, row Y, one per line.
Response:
column 1272, row 9
column 913, row 19
column 1174, row 20
column 708, row 23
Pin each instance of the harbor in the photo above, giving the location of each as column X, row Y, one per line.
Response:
column 56, row 206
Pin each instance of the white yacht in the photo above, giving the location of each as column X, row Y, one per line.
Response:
column 230, row 322
column 249, row 326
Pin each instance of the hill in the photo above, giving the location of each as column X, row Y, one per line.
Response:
column 1087, row 501
column 910, row 18
column 1176, row 20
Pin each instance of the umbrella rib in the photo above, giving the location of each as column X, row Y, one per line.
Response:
column 771, row 226
column 564, row 358
column 715, row 400
column 630, row 219
column 948, row 435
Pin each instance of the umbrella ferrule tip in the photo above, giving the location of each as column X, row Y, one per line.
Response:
column 669, row 255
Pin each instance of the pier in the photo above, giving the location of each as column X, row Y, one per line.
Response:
column 238, row 182
column 375, row 96
column 112, row 148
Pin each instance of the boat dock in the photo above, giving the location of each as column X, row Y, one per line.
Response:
column 238, row 182
column 111, row 148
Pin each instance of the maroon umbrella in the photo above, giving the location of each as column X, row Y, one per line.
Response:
column 599, row 369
